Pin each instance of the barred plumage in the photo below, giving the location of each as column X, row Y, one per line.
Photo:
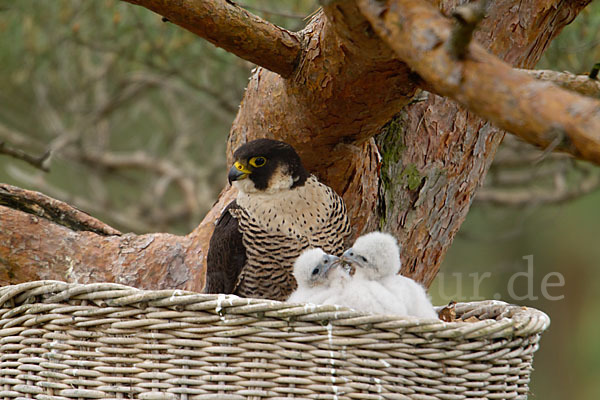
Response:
column 280, row 211
column 274, row 238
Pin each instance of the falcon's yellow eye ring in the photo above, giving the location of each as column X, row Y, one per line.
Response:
column 257, row 161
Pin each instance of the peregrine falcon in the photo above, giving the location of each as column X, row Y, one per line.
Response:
column 322, row 279
column 376, row 253
column 376, row 256
column 313, row 273
column 280, row 210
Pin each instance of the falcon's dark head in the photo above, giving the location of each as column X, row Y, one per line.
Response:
column 266, row 165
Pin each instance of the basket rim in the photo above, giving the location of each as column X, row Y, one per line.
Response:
column 507, row 320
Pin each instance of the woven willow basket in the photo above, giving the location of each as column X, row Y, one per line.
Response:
column 101, row 341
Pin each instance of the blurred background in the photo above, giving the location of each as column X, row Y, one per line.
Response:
column 130, row 116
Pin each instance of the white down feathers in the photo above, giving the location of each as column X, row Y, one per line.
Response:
column 364, row 278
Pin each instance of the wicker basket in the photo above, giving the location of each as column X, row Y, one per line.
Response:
column 100, row 341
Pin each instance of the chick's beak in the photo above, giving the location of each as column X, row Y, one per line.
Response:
column 329, row 262
column 350, row 257
column 238, row 172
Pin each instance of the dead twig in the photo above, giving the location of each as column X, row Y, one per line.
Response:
column 38, row 162
column 560, row 192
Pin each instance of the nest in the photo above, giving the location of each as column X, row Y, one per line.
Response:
column 101, row 341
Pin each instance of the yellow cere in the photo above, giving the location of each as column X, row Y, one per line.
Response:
column 241, row 167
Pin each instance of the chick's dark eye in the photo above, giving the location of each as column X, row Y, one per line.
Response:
column 315, row 271
column 258, row 161
column 363, row 258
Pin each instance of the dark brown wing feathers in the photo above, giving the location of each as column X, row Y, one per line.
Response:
column 226, row 254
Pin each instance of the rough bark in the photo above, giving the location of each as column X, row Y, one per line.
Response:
column 533, row 110
column 433, row 166
column 581, row 84
column 436, row 154
column 48, row 239
column 346, row 86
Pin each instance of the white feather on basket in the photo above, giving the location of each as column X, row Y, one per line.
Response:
column 65, row 341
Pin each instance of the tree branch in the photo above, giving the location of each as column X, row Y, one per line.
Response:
column 581, row 84
column 514, row 101
column 466, row 18
column 234, row 29
column 38, row 162
column 54, row 210
column 126, row 217
column 561, row 192
column 38, row 248
column 523, row 176
column 145, row 162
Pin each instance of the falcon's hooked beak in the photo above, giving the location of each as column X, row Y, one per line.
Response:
column 238, row 172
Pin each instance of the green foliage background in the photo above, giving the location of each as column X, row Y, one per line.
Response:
column 85, row 78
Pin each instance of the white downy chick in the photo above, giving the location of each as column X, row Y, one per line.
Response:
column 364, row 294
column 365, row 291
column 318, row 276
column 376, row 253
column 377, row 256
column 322, row 280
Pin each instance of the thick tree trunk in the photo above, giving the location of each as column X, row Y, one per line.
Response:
column 436, row 154
column 347, row 84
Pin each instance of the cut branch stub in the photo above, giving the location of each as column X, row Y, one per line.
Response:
column 594, row 72
column 234, row 29
column 467, row 17
column 514, row 101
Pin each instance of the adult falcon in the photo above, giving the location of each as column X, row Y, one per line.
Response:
column 280, row 210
